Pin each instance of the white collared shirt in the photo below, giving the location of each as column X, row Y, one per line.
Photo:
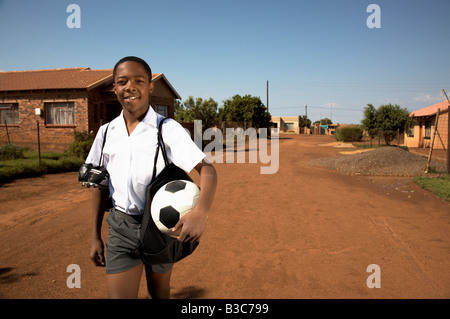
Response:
column 129, row 159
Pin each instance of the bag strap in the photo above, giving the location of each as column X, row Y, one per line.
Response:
column 161, row 142
column 161, row 146
column 103, row 145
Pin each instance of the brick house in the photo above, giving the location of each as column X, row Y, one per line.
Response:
column 420, row 133
column 62, row 101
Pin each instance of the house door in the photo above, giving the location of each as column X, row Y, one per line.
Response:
column 112, row 111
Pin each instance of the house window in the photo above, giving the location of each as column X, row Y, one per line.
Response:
column 289, row 126
column 60, row 113
column 9, row 113
column 411, row 130
column 162, row 109
column 428, row 129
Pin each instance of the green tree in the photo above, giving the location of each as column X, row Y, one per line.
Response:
column 324, row 121
column 245, row 108
column 303, row 121
column 197, row 109
column 392, row 119
column 369, row 121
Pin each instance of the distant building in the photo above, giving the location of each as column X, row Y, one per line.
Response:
column 324, row 129
column 64, row 101
column 291, row 124
column 420, row 132
column 287, row 124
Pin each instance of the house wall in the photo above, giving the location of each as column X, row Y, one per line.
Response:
column 162, row 95
column 420, row 141
column 283, row 121
column 413, row 141
column 52, row 137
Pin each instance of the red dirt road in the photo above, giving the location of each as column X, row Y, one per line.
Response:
column 305, row 232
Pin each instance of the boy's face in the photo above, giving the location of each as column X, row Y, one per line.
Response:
column 132, row 87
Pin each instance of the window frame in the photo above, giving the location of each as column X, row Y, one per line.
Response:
column 14, row 107
column 166, row 110
column 69, row 106
column 411, row 129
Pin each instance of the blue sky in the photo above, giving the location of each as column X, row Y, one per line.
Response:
column 315, row 52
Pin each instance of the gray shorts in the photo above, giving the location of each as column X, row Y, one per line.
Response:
column 124, row 234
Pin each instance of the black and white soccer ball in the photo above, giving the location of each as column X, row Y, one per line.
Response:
column 171, row 202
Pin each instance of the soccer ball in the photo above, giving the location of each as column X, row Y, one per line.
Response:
column 171, row 202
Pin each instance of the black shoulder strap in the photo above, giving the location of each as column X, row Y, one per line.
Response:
column 160, row 146
column 161, row 142
column 103, row 145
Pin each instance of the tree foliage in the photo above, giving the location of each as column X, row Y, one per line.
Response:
column 245, row 108
column 369, row 121
column 303, row 121
column 388, row 118
column 197, row 109
column 238, row 109
column 324, row 121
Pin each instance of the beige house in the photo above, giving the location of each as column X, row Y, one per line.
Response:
column 287, row 124
column 421, row 131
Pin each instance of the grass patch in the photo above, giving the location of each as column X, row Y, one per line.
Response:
column 29, row 165
column 439, row 186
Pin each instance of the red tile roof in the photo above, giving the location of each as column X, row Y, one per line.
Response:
column 67, row 78
column 431, row 110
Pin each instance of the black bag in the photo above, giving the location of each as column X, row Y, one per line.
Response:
column 155, row 247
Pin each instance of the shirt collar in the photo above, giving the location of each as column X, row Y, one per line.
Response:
column 149, row 118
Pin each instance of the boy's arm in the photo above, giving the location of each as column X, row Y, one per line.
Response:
column 193, row 224
column 99, row 203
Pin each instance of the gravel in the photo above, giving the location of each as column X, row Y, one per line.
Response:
column 383, row 161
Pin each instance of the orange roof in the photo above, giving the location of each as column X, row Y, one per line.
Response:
column 431, row 110
column 67, row 78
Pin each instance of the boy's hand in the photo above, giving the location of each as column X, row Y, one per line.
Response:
column 191, row 226
column 96, row 253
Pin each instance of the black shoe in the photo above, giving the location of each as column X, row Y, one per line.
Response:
column 88, row 175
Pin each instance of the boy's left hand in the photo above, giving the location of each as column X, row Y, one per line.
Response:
column 191, row 226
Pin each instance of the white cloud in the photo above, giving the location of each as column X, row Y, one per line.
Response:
column 429, row 98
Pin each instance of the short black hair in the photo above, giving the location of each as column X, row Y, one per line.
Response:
column 147, row 68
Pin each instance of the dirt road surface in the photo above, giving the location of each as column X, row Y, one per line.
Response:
column 304, row 232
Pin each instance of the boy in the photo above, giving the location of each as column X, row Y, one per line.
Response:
column 128, row 156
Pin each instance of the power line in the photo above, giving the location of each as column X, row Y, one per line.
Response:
column 358, row 84
column 316, row 107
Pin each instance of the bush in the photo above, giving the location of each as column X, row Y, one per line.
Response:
column 82, row 144
column 349, row 134
column 11, row 151
column 80, row 149
column 30, row 166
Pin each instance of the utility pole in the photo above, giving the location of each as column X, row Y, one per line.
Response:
column 448, row 133
column 320, row 124
column 267, row 96
column 331, row 112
